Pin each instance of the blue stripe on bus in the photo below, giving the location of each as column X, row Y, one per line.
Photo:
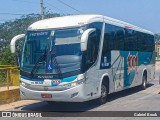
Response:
column 143, row 58
column 68, row 79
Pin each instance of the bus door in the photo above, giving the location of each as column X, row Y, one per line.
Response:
column 90, row 65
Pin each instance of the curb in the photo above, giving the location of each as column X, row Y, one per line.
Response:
column 9, row 96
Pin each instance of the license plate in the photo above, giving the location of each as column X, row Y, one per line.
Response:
column 46, row 95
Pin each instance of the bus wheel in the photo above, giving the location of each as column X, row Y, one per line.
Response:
column 144, row 82
column 104, row 93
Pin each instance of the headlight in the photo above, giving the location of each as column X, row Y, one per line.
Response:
column 74, row 84
column 24, row 84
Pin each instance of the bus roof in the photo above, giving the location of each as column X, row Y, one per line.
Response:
column 79, row 20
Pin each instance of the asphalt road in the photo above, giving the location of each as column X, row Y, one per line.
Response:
column 133, row 99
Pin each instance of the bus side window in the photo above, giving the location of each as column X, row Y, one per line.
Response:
column 92, row 50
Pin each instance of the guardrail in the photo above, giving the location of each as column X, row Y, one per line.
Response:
column 9, row 75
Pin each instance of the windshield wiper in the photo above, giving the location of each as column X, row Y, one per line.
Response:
column 40, row 59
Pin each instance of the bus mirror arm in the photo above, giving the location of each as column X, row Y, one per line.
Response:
column 13, row 42
column 84, row 38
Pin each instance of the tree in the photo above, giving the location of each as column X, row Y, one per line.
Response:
column 157, row 37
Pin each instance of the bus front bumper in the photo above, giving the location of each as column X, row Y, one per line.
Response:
column 75, row 94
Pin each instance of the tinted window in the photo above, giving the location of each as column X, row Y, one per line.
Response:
column 118, row 38
column 130, row 41
column 98, row 26
column 113, row 37
column 90, row 55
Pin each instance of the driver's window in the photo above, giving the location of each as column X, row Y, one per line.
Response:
column 92, row 50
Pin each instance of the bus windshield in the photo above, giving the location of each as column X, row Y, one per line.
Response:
column 38, row 49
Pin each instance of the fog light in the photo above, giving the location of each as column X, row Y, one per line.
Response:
column 74, row 84
column 23, row 84
column 74, row 94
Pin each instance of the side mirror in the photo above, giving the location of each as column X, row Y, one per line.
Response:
column 13, row 42
column 84, row 38
column 13, row 47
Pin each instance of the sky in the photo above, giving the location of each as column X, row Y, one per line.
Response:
column 142, row 13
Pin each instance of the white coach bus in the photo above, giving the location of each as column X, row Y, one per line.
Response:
column 83, row 57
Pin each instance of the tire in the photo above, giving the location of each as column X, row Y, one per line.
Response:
column 104, row 94
column 144, row 82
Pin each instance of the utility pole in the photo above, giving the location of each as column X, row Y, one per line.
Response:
column 42, row 9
